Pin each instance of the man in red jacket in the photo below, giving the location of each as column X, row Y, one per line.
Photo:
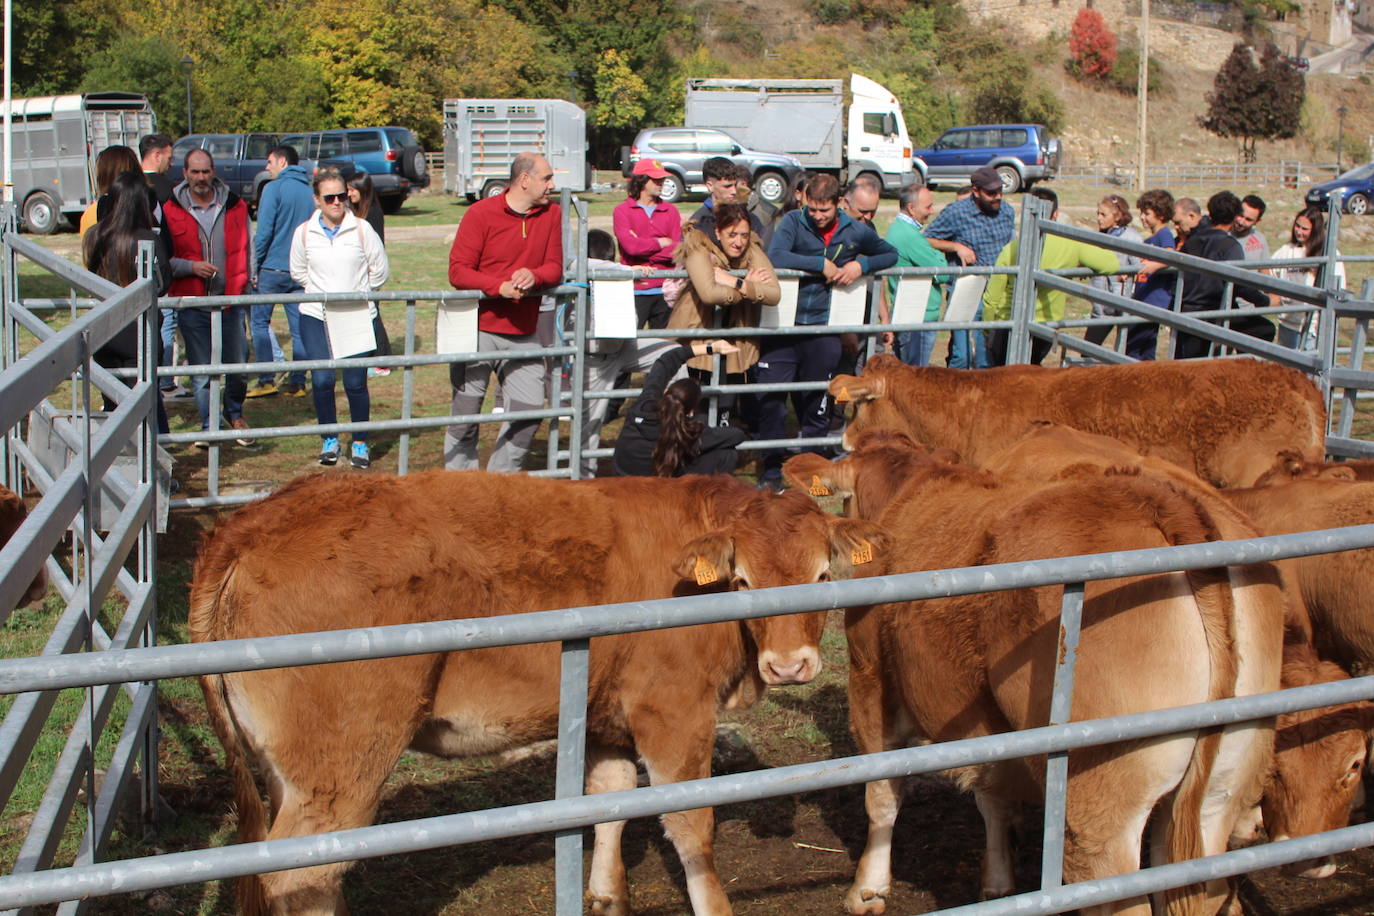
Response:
column 208, row 224
column 508, row 247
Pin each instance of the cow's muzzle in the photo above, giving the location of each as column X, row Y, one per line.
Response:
column 799, row 667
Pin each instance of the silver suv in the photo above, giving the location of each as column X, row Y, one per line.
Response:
column 682, row 151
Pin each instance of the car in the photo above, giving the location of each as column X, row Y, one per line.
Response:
column 682, row 151
column 1357, row 186
column 391, row 155
column 1021, row 153
column 240, row 160
column 1300, row 64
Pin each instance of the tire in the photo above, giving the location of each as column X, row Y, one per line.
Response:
column 494, row 188
column 1011, row 178
column 413, row 164
column 1357, row 205
column 673, row 187
column 471, row 198
column 772, row 186
column 392, row 203
column 41, row 214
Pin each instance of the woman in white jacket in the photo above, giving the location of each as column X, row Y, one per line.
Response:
column 335, row 252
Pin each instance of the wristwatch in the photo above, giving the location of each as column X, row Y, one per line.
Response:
column 739, row 283
column 710, row 349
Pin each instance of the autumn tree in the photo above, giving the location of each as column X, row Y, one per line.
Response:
column 1092, row 46
column 1255, row 101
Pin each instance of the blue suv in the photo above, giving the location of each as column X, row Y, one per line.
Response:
column 391, row 155
column 1021, row 153
column 1357, row 185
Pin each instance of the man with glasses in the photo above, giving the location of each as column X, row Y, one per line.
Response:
column 973, row 231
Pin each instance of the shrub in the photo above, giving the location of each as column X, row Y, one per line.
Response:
column 1125, row 75
column 1092, row 46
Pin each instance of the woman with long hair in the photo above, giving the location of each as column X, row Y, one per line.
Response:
column 1113, row 218
column 109, row 162
column 365, row 204
column 1306, row 239
column 663, row 436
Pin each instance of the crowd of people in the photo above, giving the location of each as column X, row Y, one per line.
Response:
column 324, row 234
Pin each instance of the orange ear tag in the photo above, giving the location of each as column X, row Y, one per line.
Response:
column 705, row 571
column 818, row 488
column 861, row 554
column 843, row 397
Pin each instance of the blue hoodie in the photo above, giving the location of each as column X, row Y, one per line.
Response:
column 798, row 245
column 287, row 201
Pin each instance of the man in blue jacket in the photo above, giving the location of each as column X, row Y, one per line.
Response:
column 287, row 201
column 838, row 251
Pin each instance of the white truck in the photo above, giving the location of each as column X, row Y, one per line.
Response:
column 483, row 136
column 805, row 118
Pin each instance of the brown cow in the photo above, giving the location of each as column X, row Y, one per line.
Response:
column 1290, row 466
column 980, row 664
column 332, row 552
column 1225, row 420
column 12, row 515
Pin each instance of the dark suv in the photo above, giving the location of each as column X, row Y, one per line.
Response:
column 1021, row 153
column 391, row 155
column 682, row 151
column 240, row 160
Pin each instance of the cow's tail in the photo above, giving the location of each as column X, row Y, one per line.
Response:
column 211, row 602
column 1215, row 601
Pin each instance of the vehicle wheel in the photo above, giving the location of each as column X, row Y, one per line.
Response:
column 471, row 198
column 413, row 164
column 1357, row 205
column 771, row 186
column 1011, row 179
column 392, row 204
column 494, row 188
column 41, row 214
column 672, row 188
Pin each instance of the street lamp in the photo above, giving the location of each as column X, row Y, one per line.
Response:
column 1340, row 135
column 187, row 65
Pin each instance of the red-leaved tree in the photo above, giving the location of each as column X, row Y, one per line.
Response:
column 1092, row 46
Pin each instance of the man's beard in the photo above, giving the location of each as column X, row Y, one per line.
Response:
column 990, row 207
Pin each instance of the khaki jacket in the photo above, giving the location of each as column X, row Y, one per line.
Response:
column 699, row 255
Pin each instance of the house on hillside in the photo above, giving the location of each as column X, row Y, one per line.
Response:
column 1327, row 22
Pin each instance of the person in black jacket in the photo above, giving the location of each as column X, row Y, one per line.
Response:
column 1203, row 292
column 662, row 436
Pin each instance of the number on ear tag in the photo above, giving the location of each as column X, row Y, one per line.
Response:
column 818, row 488
column 861, row 554
column 705, row 571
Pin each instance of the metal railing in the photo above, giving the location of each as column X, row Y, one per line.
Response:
column 1285, row 174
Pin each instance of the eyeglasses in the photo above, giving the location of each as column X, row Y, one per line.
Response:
column 334, row 198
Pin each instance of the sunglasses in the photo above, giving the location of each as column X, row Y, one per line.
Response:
column 334, row 198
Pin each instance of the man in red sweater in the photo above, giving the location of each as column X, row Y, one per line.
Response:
column 509, row 247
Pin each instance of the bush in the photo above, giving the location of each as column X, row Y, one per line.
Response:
column 1092, row 46
column 831, row 12
column 1125, row 75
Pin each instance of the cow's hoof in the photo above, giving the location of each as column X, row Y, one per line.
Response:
column 606, row 906
column 865, row 901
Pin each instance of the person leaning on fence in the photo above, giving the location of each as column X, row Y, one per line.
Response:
column 906, row 234
column 647, row 229
column 335, row 252
column 285, row 203
column 662, row 436
column 1306, row 239
column 508, row 247
column 1154, row 284
column 1057, row 253
column 1114, row 219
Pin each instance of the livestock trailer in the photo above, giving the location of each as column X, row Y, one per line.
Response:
column 483, row 136
column 56, row 139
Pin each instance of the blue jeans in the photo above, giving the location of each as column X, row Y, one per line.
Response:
column 958, row 347
column 195, row 330
column 316, row 341
column 169, row 333
column 264, row 341
column 794, row 359
column 914, row 347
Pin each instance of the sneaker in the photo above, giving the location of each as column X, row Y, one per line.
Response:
column 329, row 452
column 178, row 393
column 202, row 444
column 241, row 424
column 359, row 457
column 374, row 371
column 293, row 390
column 262, row 390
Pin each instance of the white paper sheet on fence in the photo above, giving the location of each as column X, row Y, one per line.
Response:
column 456, row 331
column 613, row 309
column 964, row 299
column 912, row 295
column 785, row 315
column 349, row 326
column 849, row 304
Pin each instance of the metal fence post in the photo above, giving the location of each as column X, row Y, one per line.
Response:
column 1327, row 339
column 1057, row 764
column 9, row 332
column 579, row 359
column 150, row 330
column 1023, row 297
column 407, row 390
column 572, row 762
column 216, row 358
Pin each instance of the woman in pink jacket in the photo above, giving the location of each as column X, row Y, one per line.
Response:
column 648, row 230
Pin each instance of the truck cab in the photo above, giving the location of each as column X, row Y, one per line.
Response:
column 877, row 141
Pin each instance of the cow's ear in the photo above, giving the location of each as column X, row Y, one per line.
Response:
column 850, row 388
column 856, row 546
column 707, row 560
column 819, row 477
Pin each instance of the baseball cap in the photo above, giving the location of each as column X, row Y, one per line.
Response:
column 986, row 179
column 651, row 168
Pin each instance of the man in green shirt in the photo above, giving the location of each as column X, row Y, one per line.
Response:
column 1057, row 253
column 907, row 235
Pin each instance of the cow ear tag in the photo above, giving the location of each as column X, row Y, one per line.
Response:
column 818, row 488
column 861, row 554
column 843, row 396
column 705, row 571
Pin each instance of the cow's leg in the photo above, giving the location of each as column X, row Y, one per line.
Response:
column 875, row 729
column 997, row 870
column 609, row 770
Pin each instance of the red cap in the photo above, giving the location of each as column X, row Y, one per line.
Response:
column 651, row 168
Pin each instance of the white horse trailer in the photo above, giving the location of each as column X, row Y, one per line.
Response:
column 483, row 136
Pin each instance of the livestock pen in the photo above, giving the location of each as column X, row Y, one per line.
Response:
column 123, row 559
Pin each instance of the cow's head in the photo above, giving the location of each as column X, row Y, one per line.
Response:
column 880, row 463
column 870, row 405
column 12, row 515
column 1319, row 759
column 766, row 540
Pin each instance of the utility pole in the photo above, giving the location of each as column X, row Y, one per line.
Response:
column 1142, row 92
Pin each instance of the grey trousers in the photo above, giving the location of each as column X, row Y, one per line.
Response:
column 522, row 388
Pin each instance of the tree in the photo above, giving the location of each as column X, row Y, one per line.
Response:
column 620, row 92
column 1092, row 46
column 1252, row 101
column 149, row 65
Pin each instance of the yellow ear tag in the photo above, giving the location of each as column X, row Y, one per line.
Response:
column 818, row 488
column 705, row 571
column 843, row 397
column 861, row 554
